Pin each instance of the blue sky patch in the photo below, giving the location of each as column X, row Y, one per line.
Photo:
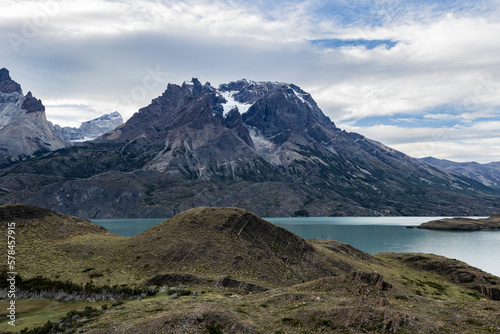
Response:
column 369, row 44
column 432, row 118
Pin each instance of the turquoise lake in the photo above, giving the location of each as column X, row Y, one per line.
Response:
column 371, row 235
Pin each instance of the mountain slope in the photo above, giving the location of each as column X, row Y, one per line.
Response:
column 24, row 129
column 262, row 146
column 488, row 174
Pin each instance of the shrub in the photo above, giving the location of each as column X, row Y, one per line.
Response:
column 214, row 329
column 44, row 288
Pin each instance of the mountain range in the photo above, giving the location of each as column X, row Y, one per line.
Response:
column 488, row 174
column 89, row 130
column 263, row 146
column 25, row 131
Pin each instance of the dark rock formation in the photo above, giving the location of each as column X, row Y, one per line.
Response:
column 175, row 278
column 7, row 85
column 31, row 104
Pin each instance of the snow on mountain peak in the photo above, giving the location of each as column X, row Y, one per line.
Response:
column 232, row 103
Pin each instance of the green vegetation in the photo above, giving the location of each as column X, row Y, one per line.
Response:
column 42, row 288
column 214, row 329
column 67, row 324
column 35, row 313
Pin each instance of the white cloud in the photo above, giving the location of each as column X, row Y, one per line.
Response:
column 96, row 54
column 451, row 61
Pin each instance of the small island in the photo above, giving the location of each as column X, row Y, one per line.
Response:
column 463, row 224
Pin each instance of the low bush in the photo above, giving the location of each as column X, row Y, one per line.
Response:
column 44, row 288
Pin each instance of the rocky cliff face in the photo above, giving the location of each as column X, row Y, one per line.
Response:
column 263, row 146
column 89, row 130
column 24, row 129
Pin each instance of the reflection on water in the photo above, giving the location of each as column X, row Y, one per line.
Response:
column 371, row 235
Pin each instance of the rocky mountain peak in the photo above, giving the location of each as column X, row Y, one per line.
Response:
column 24, row 129
column 196, row 88
column 7, row 85
column 248, row 91
column 31, row 104
column 107, row 117
column 281, row 111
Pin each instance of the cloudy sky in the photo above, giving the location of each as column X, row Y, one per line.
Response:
column 420, row 76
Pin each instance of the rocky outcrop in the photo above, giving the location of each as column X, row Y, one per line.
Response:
column 7, row 85
column 32, row 105
column 227, row 282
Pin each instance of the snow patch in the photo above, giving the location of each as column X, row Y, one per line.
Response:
column 300, row 96
column 232, row 103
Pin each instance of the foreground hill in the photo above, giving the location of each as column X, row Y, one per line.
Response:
column 203, row 241
column 232, row 146
column 232, row 272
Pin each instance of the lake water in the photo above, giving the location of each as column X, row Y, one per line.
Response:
column 371, row 235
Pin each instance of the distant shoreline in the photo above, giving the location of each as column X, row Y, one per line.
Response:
column 462, row 224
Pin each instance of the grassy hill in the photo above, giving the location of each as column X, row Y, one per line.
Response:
column 225, row 270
